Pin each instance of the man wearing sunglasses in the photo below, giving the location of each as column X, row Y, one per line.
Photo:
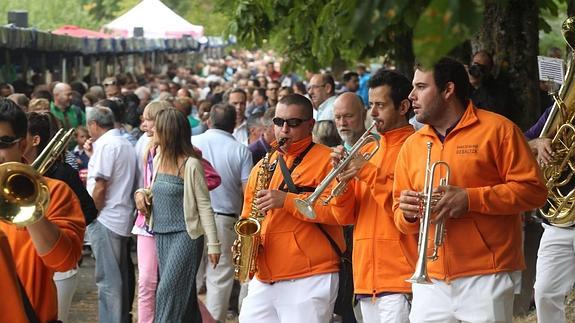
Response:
column 297, row 266
column 54, row 243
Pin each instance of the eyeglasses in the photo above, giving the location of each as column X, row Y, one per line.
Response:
column 292, row 122
column 110, row 83
column 315, row 86
column 7, row 141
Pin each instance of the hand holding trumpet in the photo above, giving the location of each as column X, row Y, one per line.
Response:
column 453, row 203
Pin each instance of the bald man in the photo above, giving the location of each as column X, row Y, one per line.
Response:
column 62, row 108
column 349, row 116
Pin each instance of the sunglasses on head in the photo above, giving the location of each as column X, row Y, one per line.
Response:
column 7, row 141
column 292, row 122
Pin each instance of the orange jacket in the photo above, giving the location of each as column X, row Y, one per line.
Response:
column 292, row 245
column 489, row 157
column 11, row 307
column 380, row 251
column 36, row 271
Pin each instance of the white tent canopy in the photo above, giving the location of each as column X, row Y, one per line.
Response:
column 157, row 20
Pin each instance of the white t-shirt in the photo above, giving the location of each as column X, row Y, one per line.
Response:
column 232, row 161
column 114, row 159
column 241, row 133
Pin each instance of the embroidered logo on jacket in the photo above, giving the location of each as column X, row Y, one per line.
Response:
column 467, row 149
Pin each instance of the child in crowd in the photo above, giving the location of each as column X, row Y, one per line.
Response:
column 81, row 156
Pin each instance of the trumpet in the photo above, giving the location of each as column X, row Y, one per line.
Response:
column 25, row 194
column 428, row 200
column 305, row 206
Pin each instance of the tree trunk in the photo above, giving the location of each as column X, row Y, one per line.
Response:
column 510, row 32
column 403, row 49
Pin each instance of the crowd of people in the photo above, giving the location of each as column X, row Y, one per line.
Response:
column 167, row 163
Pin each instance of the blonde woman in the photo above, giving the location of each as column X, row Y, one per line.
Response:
column 147, row 255
column 182, row 215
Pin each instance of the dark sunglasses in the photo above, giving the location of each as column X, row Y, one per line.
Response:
column 7, row 141
column 292, row 123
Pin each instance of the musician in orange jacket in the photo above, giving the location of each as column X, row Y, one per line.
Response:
column 297, row 277
column 493, row 178
column 11, row 307
column 53, row 243
column 380, row 264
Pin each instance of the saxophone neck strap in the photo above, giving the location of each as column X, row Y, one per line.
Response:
column 288, row 181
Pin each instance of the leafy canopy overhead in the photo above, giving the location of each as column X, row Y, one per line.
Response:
column 314, row 33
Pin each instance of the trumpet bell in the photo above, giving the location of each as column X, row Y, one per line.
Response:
column 24, row 196
column 305, row 208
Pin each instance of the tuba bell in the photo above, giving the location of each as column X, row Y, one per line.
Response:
column 559, row 209
column 25, row 195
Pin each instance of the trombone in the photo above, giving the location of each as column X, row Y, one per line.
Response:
column 305, row 206
column 428, row 200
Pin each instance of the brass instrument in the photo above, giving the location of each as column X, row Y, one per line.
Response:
column 558, row 174
column 429, row 199
column 25, row 195
column 305, row 206
column 246, row 246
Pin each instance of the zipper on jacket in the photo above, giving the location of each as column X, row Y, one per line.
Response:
column 444, row 246
column 373, row 297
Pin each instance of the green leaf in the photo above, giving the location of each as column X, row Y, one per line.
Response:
column 443, row 25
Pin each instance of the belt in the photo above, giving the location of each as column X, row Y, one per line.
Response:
column 231, row 215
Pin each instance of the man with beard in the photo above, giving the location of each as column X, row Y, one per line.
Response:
column 380, row 263
column 493, row 178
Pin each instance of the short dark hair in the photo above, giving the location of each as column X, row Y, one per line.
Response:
column 235, row 90
column 223, row 117
column 44, row 125
column 399, row 85
column 301, row 101
column 347, row 76
column 450, row 70
column 117, row 106
column 12, row 114
column 328, row 79
column 262, row 92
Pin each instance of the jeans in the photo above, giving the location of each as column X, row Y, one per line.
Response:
column 112, row 273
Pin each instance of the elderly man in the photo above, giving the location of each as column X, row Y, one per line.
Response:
column 111, row 175
column 321, row 90
column 69, row 115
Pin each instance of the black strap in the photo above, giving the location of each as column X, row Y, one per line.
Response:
column 333, row 244
column 30, row 313
column 288, row 181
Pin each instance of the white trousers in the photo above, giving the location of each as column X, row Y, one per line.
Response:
column 309, row 300
column 476, row 299
column 555, row 273
column 66, row 284
column 219, row 281
column 392, row 308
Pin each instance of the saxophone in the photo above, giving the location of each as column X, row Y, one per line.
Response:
column 560, row 126
column 246, row 246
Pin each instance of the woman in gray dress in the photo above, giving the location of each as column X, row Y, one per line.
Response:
column 181, row 216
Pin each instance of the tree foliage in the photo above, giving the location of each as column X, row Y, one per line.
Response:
column 49, row 15
column 317, row 32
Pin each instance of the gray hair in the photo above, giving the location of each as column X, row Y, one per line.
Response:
column 102, row 116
